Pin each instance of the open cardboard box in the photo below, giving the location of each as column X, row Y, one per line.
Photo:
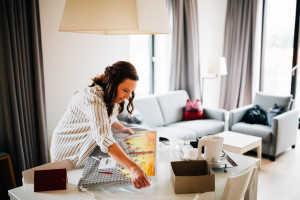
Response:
column 50, row 176
column 192, row 176
column 28, row 175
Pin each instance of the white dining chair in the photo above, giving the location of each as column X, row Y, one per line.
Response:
column 236, row 186
column 252, row 186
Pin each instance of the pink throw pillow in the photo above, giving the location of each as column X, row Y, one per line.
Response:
column 192, row 110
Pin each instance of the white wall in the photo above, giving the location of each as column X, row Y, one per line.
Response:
column 72, row 59
column 211, row 16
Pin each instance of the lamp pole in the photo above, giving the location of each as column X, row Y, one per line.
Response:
column 202, row 89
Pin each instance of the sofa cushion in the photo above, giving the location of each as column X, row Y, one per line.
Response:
column 201, row 127
column 175, row 132
column 172, row 105
column 148, row 108
column 267, row 101
column 136, row 118
column 265, row 132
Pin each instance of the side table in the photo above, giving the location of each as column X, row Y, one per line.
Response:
column 241, row 143
column 7, row 180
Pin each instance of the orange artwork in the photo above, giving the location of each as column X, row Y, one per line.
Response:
column 143, row 152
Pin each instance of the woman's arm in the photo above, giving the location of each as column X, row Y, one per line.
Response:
column 138, row 176
column 121, row 129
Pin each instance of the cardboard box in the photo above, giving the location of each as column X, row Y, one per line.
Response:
column 28, row 175
column 192, row 176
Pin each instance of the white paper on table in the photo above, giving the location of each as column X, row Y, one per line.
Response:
column 107, row 163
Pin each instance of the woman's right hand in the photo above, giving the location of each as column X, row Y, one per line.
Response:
column 126, row 130
column 139, row 178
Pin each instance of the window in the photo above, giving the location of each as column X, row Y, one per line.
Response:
column 162, row 70
column 148, row 63
column 151, row 55
column 279, row 35
column 139, row 56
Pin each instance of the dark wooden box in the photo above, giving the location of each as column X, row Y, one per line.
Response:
column 52, row 179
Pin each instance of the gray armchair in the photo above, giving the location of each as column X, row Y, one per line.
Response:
column 276, row 138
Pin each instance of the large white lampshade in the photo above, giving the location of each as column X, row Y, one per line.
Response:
column 115, row 17
column 218, row 67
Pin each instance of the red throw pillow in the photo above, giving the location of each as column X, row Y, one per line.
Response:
column 192, row 110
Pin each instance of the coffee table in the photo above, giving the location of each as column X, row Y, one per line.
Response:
column 241, row 143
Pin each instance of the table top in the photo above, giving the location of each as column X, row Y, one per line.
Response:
column 238, row 139
column 161, row 187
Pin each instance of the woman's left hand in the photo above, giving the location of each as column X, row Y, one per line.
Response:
column 126, row 130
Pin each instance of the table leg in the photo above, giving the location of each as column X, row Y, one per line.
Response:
column 259, row 154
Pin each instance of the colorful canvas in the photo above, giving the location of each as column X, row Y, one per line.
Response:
column 143, row 153
column 140, row 147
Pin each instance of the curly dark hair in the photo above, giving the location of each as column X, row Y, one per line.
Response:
column 109, row 81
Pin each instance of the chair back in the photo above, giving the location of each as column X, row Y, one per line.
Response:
column 266, row 101
column 236, row 186
column 251, row 186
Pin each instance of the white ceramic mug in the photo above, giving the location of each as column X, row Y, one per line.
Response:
column 213, row 146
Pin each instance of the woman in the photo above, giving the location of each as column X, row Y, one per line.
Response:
column 90, row 117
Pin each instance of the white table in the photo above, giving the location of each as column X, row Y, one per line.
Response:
column 163, row 189
column 241, row 143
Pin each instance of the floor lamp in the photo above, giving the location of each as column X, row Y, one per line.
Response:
column 218, row 68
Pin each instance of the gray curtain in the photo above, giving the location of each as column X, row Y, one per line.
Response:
column 185, row 63
column 3, row 139
column 22, row 84
column 236, row 87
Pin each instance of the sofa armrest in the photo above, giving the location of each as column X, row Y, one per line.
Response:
column 218, row 114
column 236, row 115
column 284, row 131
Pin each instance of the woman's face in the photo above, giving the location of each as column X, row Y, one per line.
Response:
column 125, row 89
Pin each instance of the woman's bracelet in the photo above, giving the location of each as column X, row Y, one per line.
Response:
column 133, row 169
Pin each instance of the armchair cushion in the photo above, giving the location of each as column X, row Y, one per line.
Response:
column 273, row 112
column 265, row 132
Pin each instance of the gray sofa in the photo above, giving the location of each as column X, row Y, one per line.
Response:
column 276, row 138
column 164, row 113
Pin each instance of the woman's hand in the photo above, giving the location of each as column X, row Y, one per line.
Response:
column 139, row 178
column 121, row 129
column 126, row 130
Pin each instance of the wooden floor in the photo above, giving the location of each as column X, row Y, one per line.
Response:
column 280, row 180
